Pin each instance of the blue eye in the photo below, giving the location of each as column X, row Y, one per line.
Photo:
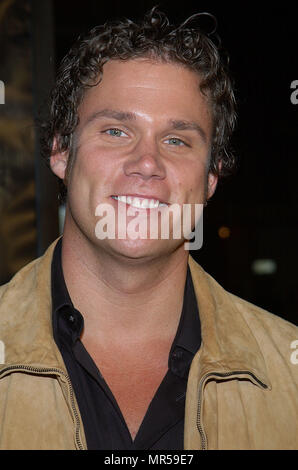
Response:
column 115, row 132
column 175, row 141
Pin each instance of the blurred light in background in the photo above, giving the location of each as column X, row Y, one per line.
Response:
column 224, row 232
column 264, row 266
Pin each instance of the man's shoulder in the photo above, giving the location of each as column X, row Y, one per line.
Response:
column 253, row 314
column 18, row 278
column 28, row 280
column 258, row 318
column 25, row 314
column 257, row 315
column 273, row 336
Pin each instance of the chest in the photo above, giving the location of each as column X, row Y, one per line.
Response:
column 133, row 380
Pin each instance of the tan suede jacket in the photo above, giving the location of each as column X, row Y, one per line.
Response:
column 242, row 389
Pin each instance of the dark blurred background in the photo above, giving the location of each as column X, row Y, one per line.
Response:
column 251, row 224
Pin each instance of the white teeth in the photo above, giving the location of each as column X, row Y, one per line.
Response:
column 139, row 203
column 153, row 204
column 136, row 202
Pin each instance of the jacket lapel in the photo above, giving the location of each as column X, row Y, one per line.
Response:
column 228, row 344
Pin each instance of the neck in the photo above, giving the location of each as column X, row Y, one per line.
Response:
column 141, row 297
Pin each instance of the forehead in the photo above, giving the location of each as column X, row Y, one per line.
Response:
column 149, row 86
column 146, row 72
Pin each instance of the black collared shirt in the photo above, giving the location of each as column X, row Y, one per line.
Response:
column 105, row 428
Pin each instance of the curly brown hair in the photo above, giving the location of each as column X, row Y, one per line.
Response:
column 152, row 37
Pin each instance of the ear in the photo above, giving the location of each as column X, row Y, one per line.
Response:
column 212, row 183
column 58, row 161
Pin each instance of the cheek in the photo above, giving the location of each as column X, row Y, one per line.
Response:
column 191, row 186
column 88, row 182
column 94, row 164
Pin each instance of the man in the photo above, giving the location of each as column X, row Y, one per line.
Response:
column 125, row 342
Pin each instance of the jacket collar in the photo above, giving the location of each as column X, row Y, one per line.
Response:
column 228, row 344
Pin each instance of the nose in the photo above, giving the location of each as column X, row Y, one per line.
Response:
column 145, row 161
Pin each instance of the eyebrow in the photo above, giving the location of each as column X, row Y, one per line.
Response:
column 181, row 125
column 176, row 124
column 112, row 113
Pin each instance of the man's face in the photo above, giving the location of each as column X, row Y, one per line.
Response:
column 144, row 131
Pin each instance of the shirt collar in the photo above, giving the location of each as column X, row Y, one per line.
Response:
column 189, row 332
column 67, row 322
column 60, row 295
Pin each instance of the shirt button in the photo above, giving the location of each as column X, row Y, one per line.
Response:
column 177, row 354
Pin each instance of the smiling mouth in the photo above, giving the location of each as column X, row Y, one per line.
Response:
column 140, row 202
